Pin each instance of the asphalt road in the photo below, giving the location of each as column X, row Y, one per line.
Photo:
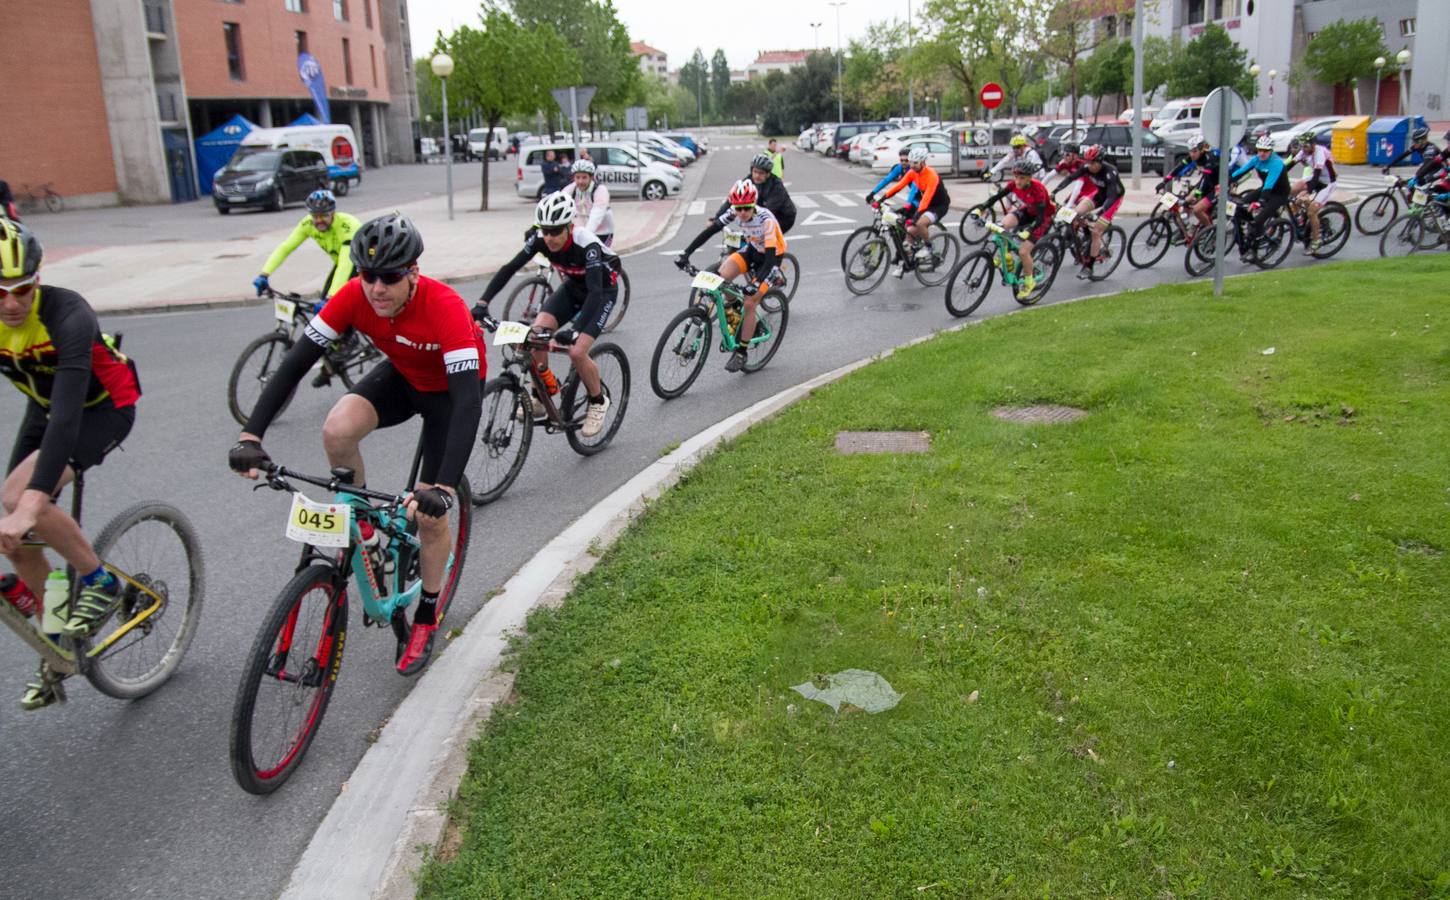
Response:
column 111, row 799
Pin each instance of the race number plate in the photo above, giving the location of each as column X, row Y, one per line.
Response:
column 510, row 333
column 707, row 281
column 1168, row 201
column 319, row 524
column 1308, row 173
column 733, row 239
column 1420, row 198
column 285, row 310
column 1392, row 179
column 1232, row 209
column 1066, row 214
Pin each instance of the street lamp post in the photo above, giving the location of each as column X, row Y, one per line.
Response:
column 1379, row 63
column 1403, row 58
column 443, row 67
column 1274, row 73
column 1254, row 71
column 910, row 91
column 700, row 96
column 816, row 30
column 840, row 91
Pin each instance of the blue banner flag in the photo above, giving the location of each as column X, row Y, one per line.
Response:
column 310, row 71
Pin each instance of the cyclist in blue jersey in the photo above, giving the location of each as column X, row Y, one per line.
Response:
column 913, row 193
column 1273, row 193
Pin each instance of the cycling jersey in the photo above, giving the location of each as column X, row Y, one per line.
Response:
column 933, row 192
column 586, row 267
column 334, row 242
column 1106, row 185
column 1432, row 160
column 1034, row 205
column 59, row 358
column 592, row 212
column 1321, row 162
column 1271, row 170
column 898, row 170
column 762, row 233
column 1006, row 162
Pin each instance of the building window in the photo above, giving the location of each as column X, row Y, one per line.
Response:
column 1407, row 27
column 1195, row 12
column 233, row 34
column 297, row 6
column 346, row 61
column 373, row 56
column 368, row 13
column 339, row 10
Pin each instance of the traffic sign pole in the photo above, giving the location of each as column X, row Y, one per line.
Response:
column 991, row 97
column 1227, row 113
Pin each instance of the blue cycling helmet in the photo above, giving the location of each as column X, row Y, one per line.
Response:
column 321, row 201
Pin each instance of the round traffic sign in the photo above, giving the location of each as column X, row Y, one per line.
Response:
column 1224, row 117
column 991, row 95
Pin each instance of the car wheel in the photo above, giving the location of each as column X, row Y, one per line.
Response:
column 278, row 201
column 655, row 190
column 224, row 210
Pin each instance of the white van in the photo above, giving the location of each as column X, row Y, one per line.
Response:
column 1175, row 111
column 615, row 165
column 336, row 143
column 497, row 146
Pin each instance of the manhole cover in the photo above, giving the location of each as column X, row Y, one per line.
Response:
column 882, row 442
column 1049, row 415
column 893, row 307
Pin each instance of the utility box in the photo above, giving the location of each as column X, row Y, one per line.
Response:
column 1389, row 137
column 1349, row 143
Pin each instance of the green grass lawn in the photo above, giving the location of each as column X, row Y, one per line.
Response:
column 1193, row 645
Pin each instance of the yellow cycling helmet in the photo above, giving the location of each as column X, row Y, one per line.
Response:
column 19, row 250
column 1018, row 140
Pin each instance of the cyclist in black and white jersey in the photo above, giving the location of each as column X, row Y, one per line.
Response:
column 591, row 203
column 1315, row 189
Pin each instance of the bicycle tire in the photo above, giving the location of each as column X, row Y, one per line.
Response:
column 1403, row 237
column 687, row 341
column 355, row 362
column 621, row 305
column 1273, row 246
column 775, row 309
column 1153, row 237
column 790, row 267
column 1115, row 244
column 943, row 260
column 574, row 400
column 507, row 423
column 1376, row 212
column 241, row 407
column 1046, row 261
column 54, row 202
column 974, row 274
column 850, row 245
column 1333, row 221
column 320, row 675
column 875, row 259
column 526, row 300
column 104, row 670
column 978, row 232
column 462, row 519
column 1198, row 256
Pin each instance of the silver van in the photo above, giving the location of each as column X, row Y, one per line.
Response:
column 615, row 165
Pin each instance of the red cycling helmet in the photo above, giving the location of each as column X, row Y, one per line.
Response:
column 1091, row 153
column 744, row 193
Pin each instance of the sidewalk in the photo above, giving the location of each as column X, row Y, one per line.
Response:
column 154, row 276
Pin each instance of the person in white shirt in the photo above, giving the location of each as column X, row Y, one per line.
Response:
column 1318, row 184
column 1020, row 150
column 591, row 202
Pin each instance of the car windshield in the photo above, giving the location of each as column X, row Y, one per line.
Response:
column 254, row 161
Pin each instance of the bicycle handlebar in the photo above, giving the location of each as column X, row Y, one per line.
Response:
column 272, row 293
column 277, row 477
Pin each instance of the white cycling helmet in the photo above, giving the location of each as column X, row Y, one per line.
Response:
column 1196, row 141
column 917, row 155
column 1264, row 143
column 582, row 165
column 554, row 210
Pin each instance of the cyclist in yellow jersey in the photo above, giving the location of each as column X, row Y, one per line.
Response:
column 332, row 230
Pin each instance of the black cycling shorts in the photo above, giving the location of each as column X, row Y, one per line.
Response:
column 941, row 204
column 396, row 401
column 567, row 302
column 103, row 428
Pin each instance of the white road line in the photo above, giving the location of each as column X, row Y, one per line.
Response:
column 839, row 200
column 804, row 202
column 697, row 207
column 806, row 237
column 845, row 231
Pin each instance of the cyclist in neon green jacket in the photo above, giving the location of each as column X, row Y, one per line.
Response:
column 332, row 230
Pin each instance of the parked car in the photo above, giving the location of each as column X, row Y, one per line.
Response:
column 1323, row 127
column 1262, row 123
column 938, row 151
column 979, row 148
column 844, row 132
column 1049, row 147
column 268, row 178
column 885, row 155
column 478, row 137
column 1159, row 154
column 616, row 165
column 1174, row 110
column 688, row 141
column 1147, row 117
column 824, row 134
column 1179, row 130
column 657, row 142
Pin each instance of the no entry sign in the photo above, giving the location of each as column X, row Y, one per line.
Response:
column 991, row 95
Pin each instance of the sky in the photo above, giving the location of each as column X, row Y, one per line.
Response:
column 739, row 27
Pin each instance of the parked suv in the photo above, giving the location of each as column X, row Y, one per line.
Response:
column 1159, row 155
column 268, row 178
column 615, row 165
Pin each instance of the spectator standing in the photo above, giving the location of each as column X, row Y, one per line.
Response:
column 553, row 172
column 777, row 158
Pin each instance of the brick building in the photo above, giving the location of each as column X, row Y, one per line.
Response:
column 775, row 61
column 652, row 60
column 112, row 118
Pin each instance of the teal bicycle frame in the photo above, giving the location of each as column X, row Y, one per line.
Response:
column 721, row 296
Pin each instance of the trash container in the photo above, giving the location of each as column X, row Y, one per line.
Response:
column 1388, row 138
column 1348, row 143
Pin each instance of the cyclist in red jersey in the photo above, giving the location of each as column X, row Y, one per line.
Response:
column 434, row 368
column 1034, row 211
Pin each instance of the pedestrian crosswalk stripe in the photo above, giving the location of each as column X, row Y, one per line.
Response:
column 835, row 233
column 839, row 200
column 803, row 201
column 696, row 208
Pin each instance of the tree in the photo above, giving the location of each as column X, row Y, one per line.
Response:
column 1112, row 73
column 1209, row 61
column 719, row 81
column 1069, row 33
column 430, row 97
column 745, row 100
column 504, row 69
column 1014, row 54
column 800, row 96
column 693, row 77
column 962, row 35
column 1344, row 51
column 600, row 41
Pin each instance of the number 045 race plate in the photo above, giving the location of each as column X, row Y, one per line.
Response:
column 319, row 524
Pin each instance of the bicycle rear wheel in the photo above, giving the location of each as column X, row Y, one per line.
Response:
column 1046, row 261
column 505, row 430
column 1376, row 212
column 790, row 267
column 680, row 354
column 969, row 283
column 288, row 682
column 866, row 268
column 1149, row 242
column 357, row 355
column 774, row 311
column 1273, row 246
column 945, row 251
column 254, row 368
column 1198, row 257
column 54, row 202
column 526, row 300
column 614, row 382
column 1333, row 230
column 621, row 304
column 154, row 549
column 1403, row 237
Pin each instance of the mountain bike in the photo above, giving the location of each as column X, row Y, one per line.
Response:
column 1171, row 224
column 973, row 231
column 1265, row 249
column 152, row 549
column 506, row 427
column 972, row 278
column 525, row 301
column 259, row 360
column 685, row 343
column 1072, row 235
column 1425, row 227
column 874, row 248
column 31, row 198
column 294, row 662
column 1334, row 227
column 1379, row 209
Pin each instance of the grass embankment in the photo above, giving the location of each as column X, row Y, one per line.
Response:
column 1192, row 645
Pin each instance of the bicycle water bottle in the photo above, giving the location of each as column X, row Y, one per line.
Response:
column 57, row 598
column 732, row 317
column 19, row 595
column 551, row 382
column 372, row 547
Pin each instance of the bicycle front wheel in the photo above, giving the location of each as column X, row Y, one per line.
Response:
column 505, row 430
column 54, row 202
column 1198, row 257
column 288, row 682
column 254, row 368
column 867, row 267
column 359, row 354
column 154, row 550
column 772, row 312
column 1273, row 246
column 790, row 267
column 1376, row 212
column 853, row 242
column 680, row 354
column 969, row 283
column 1149, row 242
column 621, row 304
column 613, row 368
column 526, row 300
column 1110, row 252
column 974, row 231
column 1046, row 261
column 1333, row 230
column 945, row 250
column 1403, row 237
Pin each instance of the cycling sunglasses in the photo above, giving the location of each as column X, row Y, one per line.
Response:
column 390, row 278
column 749, row 207
column 20, row 289
column 553, row 230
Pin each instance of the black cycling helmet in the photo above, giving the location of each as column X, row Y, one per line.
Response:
column 20, row 251
column 1025, row 167
column 1071, row 148
column 321, row 201
column 763, row 163
column 386, row 244
column 1420, row 135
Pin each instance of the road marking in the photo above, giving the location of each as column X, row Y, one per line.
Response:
column 802, row 237
column 835, row 233
column 804, row 202
column 839, row 200
column 697, row 207
column 825, row 218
